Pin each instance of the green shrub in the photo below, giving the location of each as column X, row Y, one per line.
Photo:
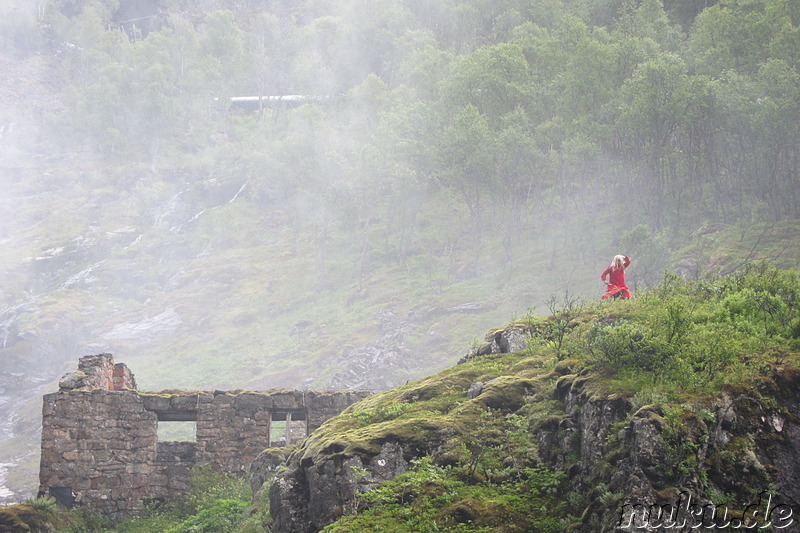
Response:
column 208, row 487
column 632, row 346
column 224, row 516
column 697, row 333
column 214, row 503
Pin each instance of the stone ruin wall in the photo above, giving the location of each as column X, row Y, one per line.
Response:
column 100, row 445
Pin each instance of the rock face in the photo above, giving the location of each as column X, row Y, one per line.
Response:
column 630, row 463
column 265, row 466
column 100, row 443
column 384, row 363
column 329, row 488
column 657, row 465
column 375, row 365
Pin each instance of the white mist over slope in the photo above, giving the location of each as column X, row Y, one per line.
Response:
column 172, row 278
column 459, row 171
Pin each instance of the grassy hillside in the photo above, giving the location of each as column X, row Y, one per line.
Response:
column 679, row 354
column 682, row 356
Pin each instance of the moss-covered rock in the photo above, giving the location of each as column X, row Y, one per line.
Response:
column 41, row 515
column 614, row 426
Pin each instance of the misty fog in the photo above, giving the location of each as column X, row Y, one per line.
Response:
column 412, row 175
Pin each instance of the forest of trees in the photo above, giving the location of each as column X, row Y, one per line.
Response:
column 521, row 115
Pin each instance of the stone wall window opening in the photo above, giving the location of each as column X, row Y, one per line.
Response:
column 177, row 431
column 117, row 473
column 63, row 495
column 287, row 427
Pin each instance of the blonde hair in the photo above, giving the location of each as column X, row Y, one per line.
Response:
column 618, row 262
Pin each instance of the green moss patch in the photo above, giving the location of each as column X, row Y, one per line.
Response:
column 41, row 514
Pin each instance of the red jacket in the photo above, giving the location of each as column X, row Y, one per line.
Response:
column 616, row 276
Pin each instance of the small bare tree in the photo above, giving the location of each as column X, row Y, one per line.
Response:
column 564, row 312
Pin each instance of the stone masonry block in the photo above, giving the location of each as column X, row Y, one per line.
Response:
column 252, row 402
column 155, row 403
column 288, row 400
column 186, row 402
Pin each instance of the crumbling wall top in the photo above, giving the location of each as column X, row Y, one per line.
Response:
column 98, row 372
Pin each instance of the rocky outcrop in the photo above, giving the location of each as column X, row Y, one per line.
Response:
column 506, row 340
column 651, row 460
column 266, row 465
column 377, row 365
column 630, row 461
column 329, row 487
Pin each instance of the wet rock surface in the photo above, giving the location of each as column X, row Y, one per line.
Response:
column 386, row 362
column 600, row 440
column 329, row 487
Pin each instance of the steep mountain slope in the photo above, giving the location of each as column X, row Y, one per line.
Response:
column 477, row 158
column 145, row 263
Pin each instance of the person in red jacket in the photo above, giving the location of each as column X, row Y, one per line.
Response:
column 616, row 278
